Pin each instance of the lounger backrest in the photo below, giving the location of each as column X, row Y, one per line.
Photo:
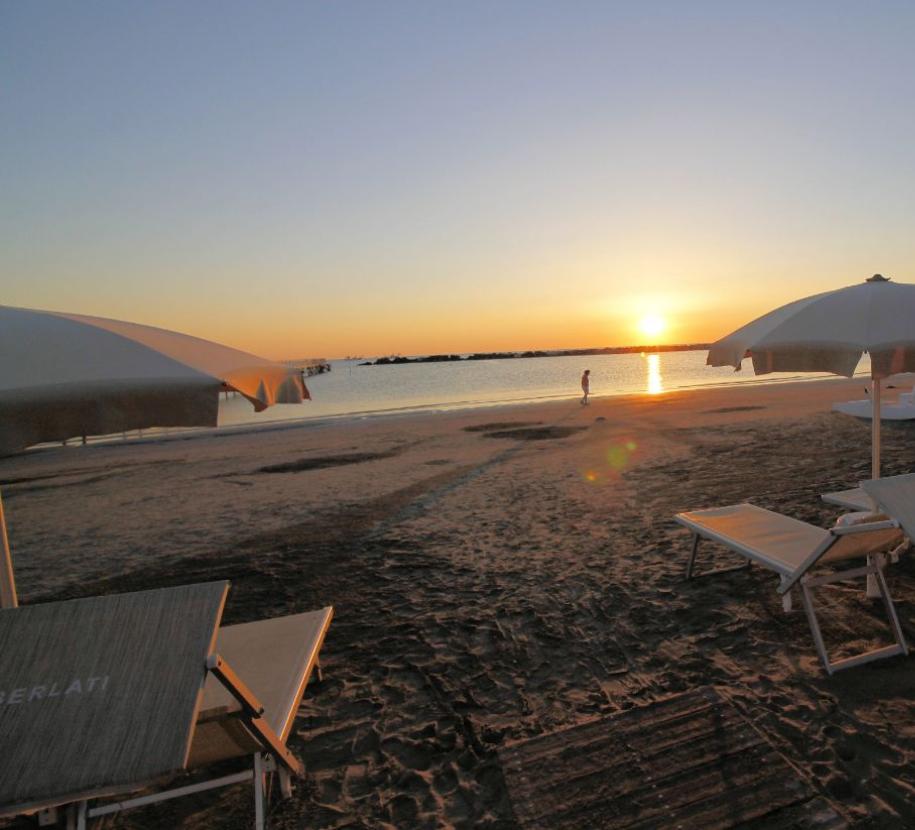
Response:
column 859, row 545
column 100, row 696
column 275, row 658
column 836, row 547
column 787, row 546
column 896, row 497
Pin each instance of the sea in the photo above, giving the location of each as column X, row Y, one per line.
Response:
column 351, row 390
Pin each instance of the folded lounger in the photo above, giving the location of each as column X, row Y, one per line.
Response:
column 104, row 696
column 791, row 548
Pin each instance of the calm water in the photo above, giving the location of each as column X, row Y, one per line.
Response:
column 353, row 390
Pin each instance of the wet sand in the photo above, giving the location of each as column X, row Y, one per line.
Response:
column 496, row 574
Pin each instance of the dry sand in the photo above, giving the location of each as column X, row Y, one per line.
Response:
column 496, row 574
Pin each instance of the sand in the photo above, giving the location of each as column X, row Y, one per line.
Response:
column 496, row 574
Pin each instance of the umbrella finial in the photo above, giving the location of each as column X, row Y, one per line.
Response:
column 877, row 278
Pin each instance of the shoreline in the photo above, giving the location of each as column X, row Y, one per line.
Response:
column 324, row 421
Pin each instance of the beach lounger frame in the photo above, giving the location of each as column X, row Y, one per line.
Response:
column 829, row 546
column 275, row 756
column 218, row 715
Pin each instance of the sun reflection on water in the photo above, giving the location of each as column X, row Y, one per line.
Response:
column 655, row 382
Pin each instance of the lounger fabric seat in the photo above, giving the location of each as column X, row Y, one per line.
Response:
column 779, row 542
column 791, row 548
column 276, row 657
column 65, row 737
column 852, row 499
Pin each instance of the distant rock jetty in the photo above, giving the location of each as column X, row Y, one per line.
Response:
column 310, row 365
column 448, row 358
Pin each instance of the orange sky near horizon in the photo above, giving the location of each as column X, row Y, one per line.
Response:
column 592, row 305
column 390, row 325
column 383, row 324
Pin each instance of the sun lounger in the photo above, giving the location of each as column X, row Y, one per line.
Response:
column 853, row 499
column 895, row 496
column 792, row 548
column 106, row 696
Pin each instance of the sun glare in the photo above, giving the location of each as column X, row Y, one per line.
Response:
column 655, row 381
column 652, row 325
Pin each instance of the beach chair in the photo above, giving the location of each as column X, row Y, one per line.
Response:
column 107, row 696
column 791, row 549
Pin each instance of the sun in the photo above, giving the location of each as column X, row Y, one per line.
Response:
column 652, row 325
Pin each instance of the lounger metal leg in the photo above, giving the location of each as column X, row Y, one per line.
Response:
column 690, row 568
column 285, row 782
column 692, row 556
column 891, row 610
column 76, row 816
column 871, row 569
column 787, row 601
column 318, row 669
column 814, row 626
column 47, row 817
column 873, row 589
column 259, row 781
column 167, row 795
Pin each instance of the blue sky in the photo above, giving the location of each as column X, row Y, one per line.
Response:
column 303, row 178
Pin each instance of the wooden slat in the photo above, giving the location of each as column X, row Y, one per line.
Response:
column 691, row 761
column 631, row 722
column 815, row 814
column 622, row 771
column 100, row 695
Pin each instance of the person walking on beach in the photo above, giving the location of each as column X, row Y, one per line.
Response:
column 585, row 386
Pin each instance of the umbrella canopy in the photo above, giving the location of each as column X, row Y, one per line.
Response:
column 830, row 332
column 65, row 375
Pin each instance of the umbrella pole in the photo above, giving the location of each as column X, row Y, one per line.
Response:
column 875, row 429
column 7, row 580
column 872, row 588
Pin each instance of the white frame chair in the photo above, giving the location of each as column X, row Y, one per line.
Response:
column 272, row 755
column 802, row 547
column 176, row 700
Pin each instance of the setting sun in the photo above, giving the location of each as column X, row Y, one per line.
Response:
column 652, row 325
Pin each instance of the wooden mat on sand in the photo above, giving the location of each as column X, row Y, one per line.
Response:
column 691, row 762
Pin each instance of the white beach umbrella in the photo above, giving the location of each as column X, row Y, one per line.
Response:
column 66, row 375
column 830, row 332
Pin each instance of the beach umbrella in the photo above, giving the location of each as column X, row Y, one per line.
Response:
column 67, row 375
column 830, row 332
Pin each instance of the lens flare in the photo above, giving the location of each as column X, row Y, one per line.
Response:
column 619, row 455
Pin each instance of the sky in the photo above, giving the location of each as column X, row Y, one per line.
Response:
column 369, row 178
